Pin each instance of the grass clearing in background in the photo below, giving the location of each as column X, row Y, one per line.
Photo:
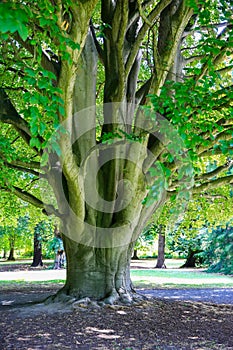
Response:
column 143, row 275
column 148, row 279
column 174, row 278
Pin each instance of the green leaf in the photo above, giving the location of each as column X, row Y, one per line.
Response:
column 30, row 72
column 56, row 148
column 44, row 158
column 42, row 128
column 34, row 129
column 43, row 83
column 61, row 110
column 34, row 142
column 23, row 31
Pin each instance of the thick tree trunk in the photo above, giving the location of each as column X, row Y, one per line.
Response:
column 103, row 184
column 101, row 274
column 161, row 251
column 191, row 259
column 37, row 254
column 135, row 255
column 11, row 254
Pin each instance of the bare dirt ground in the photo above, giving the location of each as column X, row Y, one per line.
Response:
column 162, row 322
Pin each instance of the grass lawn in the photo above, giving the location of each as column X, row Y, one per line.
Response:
column 176, row 278
column 142, row 272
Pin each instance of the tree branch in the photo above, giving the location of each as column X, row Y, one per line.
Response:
column 9, row 115
column 143, row 91
column 28, row 165
column 151, row 18
column 217, row 59
column 97, row 45
column 225, row 69
column 221, row 136
column 193, row 58
column 136, row 14
column 213, row 196
column 210, row 26
column 211, row 152
column 213, row 184
column 45, row 61
column 214, row 172
column 29, row 198
column 20, row 168
column 119, row 28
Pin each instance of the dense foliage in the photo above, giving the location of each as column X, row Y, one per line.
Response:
column 218, row 249
column 29, row 70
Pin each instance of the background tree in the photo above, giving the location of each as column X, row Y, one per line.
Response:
column 42, row 231
column 3, row 242
column 204, row 214
column 19, row 223
column 15, row 237
column 14, row 222
column 217, row 248
column 145, row 240
column 111, row 168
column 161, row 248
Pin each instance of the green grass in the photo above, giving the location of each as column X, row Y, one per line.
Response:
column 149, row 277
column 9, row 282
column 179, row 279
column 22, row 285
column 155, row 279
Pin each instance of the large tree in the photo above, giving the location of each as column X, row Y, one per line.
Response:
column 109, row 168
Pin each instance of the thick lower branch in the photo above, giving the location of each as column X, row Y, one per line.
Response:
column 225, row 180
column 9, row 115
column 29, row 198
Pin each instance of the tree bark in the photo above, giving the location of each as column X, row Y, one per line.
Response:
column 37, row 254
column 104, row 184
column 102, row 274
column 161, row 251
column 135, row 255
column 11, row 254
column 191, row 259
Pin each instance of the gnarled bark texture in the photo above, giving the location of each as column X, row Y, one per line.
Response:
column 97, row 273
column 103, row 185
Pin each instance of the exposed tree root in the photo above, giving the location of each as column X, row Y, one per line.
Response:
column 116, row 299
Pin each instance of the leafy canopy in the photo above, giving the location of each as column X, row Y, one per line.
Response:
column 193, row 92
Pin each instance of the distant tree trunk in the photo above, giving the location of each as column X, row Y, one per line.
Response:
column 4, row 253
column 135, row 255
column 191, row 259
column 37, row 255
column 11, row 254
column 161, row 250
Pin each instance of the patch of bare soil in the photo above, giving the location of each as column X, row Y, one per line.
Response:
column 156, row 324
